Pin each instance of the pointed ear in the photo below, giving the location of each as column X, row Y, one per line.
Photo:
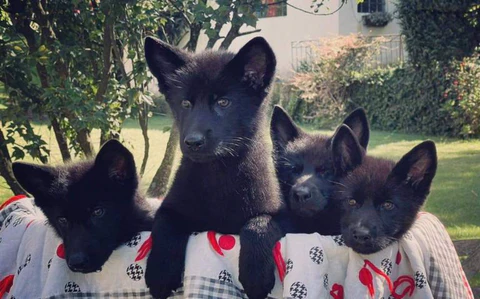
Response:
column 417, row 168
column 35, row 179
column 163, row 60
column 282, row 127
column 117, row 162
column 347, row 151
column 255, row 64
column 357, row 121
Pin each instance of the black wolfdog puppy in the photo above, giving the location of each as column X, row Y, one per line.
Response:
column 226, row 179
column 94, row 206
column 380, row 199
column 306, row 173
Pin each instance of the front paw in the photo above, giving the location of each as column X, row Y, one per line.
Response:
column 162, row 278
column 257, row 276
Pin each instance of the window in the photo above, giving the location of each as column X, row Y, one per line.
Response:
column 272, row 8
column 371, row 6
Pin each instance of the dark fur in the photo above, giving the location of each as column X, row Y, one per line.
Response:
column 305, row 169
column 368, row 224
column 75, row 191
column 227, row 183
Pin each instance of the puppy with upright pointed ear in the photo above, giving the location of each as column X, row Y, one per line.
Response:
column 226, row 179
column 347, row 151
column 93, row 205
column 380, row 199
column 306, row 167
column 357, row 121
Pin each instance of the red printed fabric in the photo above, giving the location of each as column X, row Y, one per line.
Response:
column 423, row 264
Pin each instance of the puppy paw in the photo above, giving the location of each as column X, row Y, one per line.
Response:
column 257, row 282
column 162, row 280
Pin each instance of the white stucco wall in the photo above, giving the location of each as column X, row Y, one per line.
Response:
column 296, row 26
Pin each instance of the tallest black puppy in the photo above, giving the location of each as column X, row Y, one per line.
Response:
column 226, row 179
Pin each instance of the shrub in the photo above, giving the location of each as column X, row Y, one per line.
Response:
column 322, row 87
column 440, row 100
column 462, row 95
column 439, row 30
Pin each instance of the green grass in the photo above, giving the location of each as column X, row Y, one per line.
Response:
column 455, row 196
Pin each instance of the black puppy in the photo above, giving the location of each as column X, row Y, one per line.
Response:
column 306, row 172
column 226, row 179
column 379, row 198
column 94, row 205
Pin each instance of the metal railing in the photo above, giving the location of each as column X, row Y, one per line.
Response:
column 391, row 51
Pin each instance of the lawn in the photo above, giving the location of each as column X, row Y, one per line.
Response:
column 455, row 196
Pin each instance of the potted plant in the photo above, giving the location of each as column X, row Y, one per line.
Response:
column 377, row 19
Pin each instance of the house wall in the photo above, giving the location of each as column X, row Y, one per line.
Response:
column 298, row 26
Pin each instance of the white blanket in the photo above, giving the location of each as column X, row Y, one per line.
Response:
column 423, row 264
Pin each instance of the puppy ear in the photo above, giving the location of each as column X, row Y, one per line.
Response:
column 282, row 127
column 255, row 64
column 117, row 162
column 358, row 122
column 35, row 179
column 346, row 150
column 163, row 60
column 417, row 168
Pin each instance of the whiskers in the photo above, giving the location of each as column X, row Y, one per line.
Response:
column 230, row 147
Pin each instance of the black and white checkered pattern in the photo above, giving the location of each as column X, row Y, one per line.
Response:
column 316, row 255
column 444, row 272
column 124, row 294
column 134, row 241
column 420, row 280
column 135, row 272
column 339, row 240
column 27, row 261
column 225, row 276
column 325, row 281
column 387, row 266
column 8, row 221
column 298, row 290
column 72, row 287
column 17, row 221
column 289, row 266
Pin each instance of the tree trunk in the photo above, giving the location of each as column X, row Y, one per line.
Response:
column 6, row 168
column 85, row 141
column 61, row 139
column 159, row 184
column 29, row 35
column 231, row 35
column 143, row 120
column 195, row 30
column 213, row 40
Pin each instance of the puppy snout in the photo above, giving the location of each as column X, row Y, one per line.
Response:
column 362, row 235
column 302, row 194
column 78, row 261
column 195, row 141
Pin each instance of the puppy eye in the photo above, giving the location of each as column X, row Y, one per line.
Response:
column 98, row 212
column 297, row 169
column 320, row 170
column 186, row 104
column 62, row 221
column 223, row 103
column 388, row 205
column 352, row 202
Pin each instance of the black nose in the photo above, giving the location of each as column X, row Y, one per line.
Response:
column 362, row 235
column 302, row 194
column 195, row 141
column 78, row 261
